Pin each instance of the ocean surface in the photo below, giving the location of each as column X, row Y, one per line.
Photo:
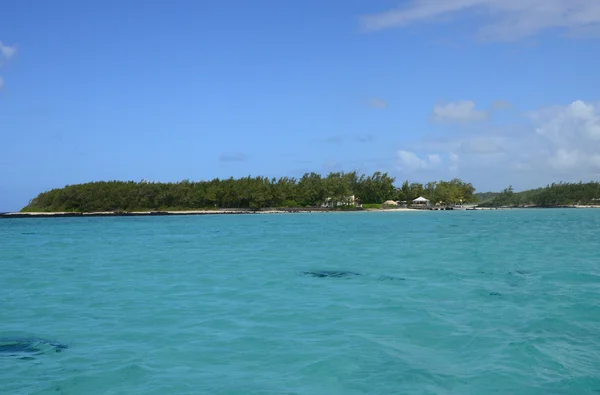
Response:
column 463, row 302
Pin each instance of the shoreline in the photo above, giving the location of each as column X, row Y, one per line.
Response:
column 535, row 207
column 185, row 212
column 247, row 211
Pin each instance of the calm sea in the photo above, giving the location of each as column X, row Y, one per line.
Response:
column 497, row 302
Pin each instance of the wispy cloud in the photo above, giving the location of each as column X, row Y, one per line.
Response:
column 501, row 105
column 6, row 53
column 334, row 140
column 459, row 111
column 365, row 138
column 454, row 160
column 233, row 157
column 483, row 145
column 331, row 166
column 408, row 160
column 497, row 20
column 341, row 139
column 377, row 102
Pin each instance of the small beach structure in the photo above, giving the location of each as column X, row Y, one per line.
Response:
column 421, row 201
column 345, row 201
column 390, row 203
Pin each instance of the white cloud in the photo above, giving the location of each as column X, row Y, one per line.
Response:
column 498, row 19
column 573, row 132
column 6, row 51
column 460, row 111
column 577, row 120
column 559, row 143
column 408, row 160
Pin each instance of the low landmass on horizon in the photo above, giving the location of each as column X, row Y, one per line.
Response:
column 311, row 190
column 336, row 190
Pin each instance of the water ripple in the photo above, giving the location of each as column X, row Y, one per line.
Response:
column 446, row 303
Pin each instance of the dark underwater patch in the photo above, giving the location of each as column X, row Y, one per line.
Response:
column 26, row 347
column 331, row 273
column 520, row 272
column 343, row 273
column 390, row 278
column 18, row 347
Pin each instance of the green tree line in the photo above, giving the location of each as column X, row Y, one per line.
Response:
column 556, row 194
column 310, row 190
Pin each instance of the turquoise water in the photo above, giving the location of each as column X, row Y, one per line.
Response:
column 503, row 302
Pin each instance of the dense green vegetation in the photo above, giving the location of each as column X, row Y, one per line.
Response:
column 484, row 197
column 311, row 190
column 558, row 194
column 443, row 192
column 372, row 206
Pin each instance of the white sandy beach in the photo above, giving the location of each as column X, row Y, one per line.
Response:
column 387, row 210
column 194, row 212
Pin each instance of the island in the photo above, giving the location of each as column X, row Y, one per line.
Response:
column 336, row 191
column 313, row 192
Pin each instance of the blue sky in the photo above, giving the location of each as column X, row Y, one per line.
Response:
column 495, row 92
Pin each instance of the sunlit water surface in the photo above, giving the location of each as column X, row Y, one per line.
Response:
column 504, row 302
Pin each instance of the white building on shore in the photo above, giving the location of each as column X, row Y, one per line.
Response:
column 421, row 201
